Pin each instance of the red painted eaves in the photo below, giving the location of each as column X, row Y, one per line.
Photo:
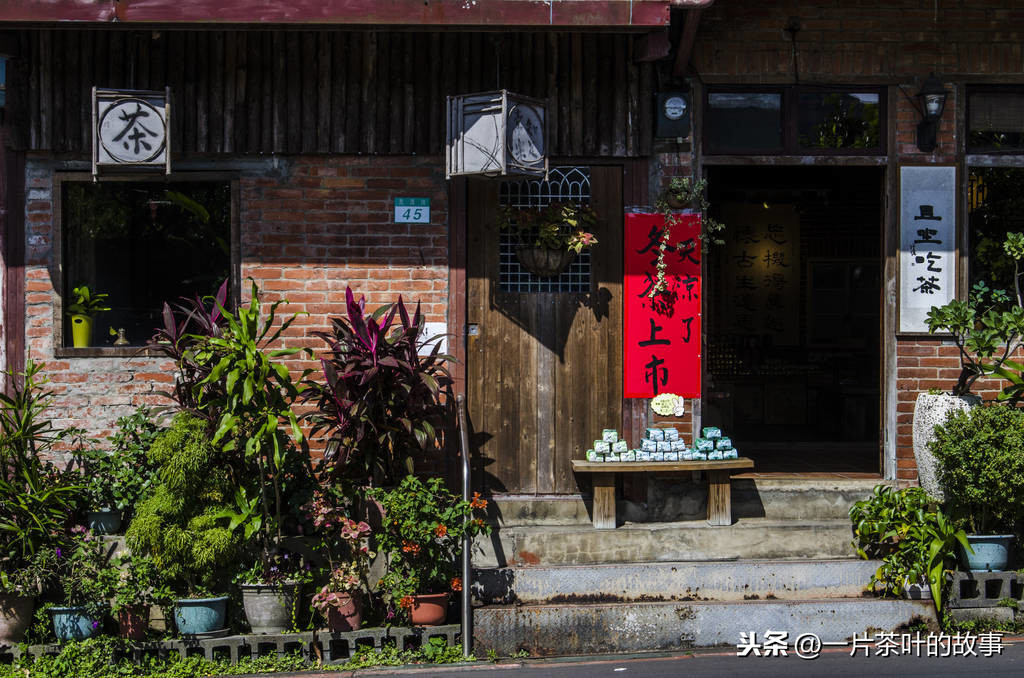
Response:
column 471, row 13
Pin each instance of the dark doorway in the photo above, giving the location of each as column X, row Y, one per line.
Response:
column 793, row 320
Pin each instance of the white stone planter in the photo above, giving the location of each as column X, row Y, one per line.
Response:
column 931, row 410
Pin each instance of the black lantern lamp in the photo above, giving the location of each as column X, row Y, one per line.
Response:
column 932, row 98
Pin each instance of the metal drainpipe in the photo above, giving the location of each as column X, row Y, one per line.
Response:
column 467, row 611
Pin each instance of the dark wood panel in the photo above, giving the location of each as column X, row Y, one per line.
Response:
column 335, row 91
column 544, row 369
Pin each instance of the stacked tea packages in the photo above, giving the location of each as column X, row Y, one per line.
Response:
column 662, row 444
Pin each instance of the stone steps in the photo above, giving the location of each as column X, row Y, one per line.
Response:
column 576, row 629
column 747, row 539
column 684, row 498
column 687, row 581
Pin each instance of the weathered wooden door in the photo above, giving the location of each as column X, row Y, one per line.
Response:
column 544, row 358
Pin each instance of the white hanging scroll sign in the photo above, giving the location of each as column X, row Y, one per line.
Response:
column 927, row 242
column 131, row 129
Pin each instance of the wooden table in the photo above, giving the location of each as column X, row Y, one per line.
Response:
column 719, row 484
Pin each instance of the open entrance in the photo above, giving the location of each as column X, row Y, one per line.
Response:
column 793, row 317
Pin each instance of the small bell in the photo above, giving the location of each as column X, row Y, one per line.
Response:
column 121, row 339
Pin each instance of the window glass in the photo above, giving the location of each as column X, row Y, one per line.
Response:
column 838, row 120
column 995, row 205
column 143, row 243
column 996, row 121
column 744, row 122
column 3, row 82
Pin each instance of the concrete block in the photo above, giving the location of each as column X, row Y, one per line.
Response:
column 985, row 589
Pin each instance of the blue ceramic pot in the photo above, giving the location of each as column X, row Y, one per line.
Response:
column 73, row 623
column 200, row 615
column 107, row 521
column 991, row 552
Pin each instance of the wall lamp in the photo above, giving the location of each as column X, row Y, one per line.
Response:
column 932, row 101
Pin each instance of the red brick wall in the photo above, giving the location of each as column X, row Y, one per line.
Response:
column 309, row 226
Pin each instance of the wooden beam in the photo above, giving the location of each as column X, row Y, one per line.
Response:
column 652, row 46
column 685, row 47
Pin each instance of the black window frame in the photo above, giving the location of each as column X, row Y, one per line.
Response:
column 790, row 95
column 59, row 264
column 970, row 90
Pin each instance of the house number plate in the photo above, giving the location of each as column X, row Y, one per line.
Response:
column 412, row 210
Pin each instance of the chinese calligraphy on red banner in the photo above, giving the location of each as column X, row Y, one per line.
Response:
column 662, row 333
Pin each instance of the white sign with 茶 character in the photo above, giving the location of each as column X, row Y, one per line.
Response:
column 927, row 242
column 131, row 129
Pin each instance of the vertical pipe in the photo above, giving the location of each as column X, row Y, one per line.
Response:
column 467, row 620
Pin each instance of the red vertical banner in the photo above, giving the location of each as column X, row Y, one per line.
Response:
column 662, row 332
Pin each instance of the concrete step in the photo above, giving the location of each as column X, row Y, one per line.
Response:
column 685, row 498
column 747, row 539
column 551, row 630
column 689, row 581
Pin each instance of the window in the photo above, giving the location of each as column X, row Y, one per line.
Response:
column 995, row 120
column 3, row 81
column 143, row 242
column 794, row 121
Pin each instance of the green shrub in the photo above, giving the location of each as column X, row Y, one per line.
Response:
column 178, row 523
column 981, row 466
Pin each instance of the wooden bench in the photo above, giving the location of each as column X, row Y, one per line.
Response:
column 719, row 484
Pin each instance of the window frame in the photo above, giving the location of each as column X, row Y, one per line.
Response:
column 970, row 90
column 58, row 263
column 790, row 95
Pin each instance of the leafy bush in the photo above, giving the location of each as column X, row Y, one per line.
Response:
column 178, row 522
column 910, row 534
column 423, row 528
column 119, row 478
column 36, row 497
column 981, row 466
column 380, row 403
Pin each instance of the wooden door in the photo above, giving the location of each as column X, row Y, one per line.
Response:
column 544, row 358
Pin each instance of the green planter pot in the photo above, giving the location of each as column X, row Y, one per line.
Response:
column 73, row 623
column 991, row 552
column 196, row 616
column 81, row 331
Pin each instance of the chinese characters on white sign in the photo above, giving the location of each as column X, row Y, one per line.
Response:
column 130, row 129
column 927, row 242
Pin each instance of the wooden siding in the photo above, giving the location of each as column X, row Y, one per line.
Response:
column 332, row 91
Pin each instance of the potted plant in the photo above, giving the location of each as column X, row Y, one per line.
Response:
column 82, row 310
column 380, row 403
column 18, row 590
column 271, row 591
column 36, row 497
column 549, row 238
column 179, row 524
column 987, row 329
column 136, row 586
column 980, row 453
column 910, row 534
column 682, row 193
column 421, row 539
column 85, row 576
column 344, row 542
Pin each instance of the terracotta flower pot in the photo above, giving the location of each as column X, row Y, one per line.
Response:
column 15, row 616
column 429, row 609
column 347, row 615
column 133, row 622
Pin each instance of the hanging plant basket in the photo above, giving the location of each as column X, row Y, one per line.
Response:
column 544, row 262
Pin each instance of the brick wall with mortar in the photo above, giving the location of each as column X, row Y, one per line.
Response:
column 309, row 227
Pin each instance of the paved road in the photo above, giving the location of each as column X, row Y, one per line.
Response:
column 834, row 663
